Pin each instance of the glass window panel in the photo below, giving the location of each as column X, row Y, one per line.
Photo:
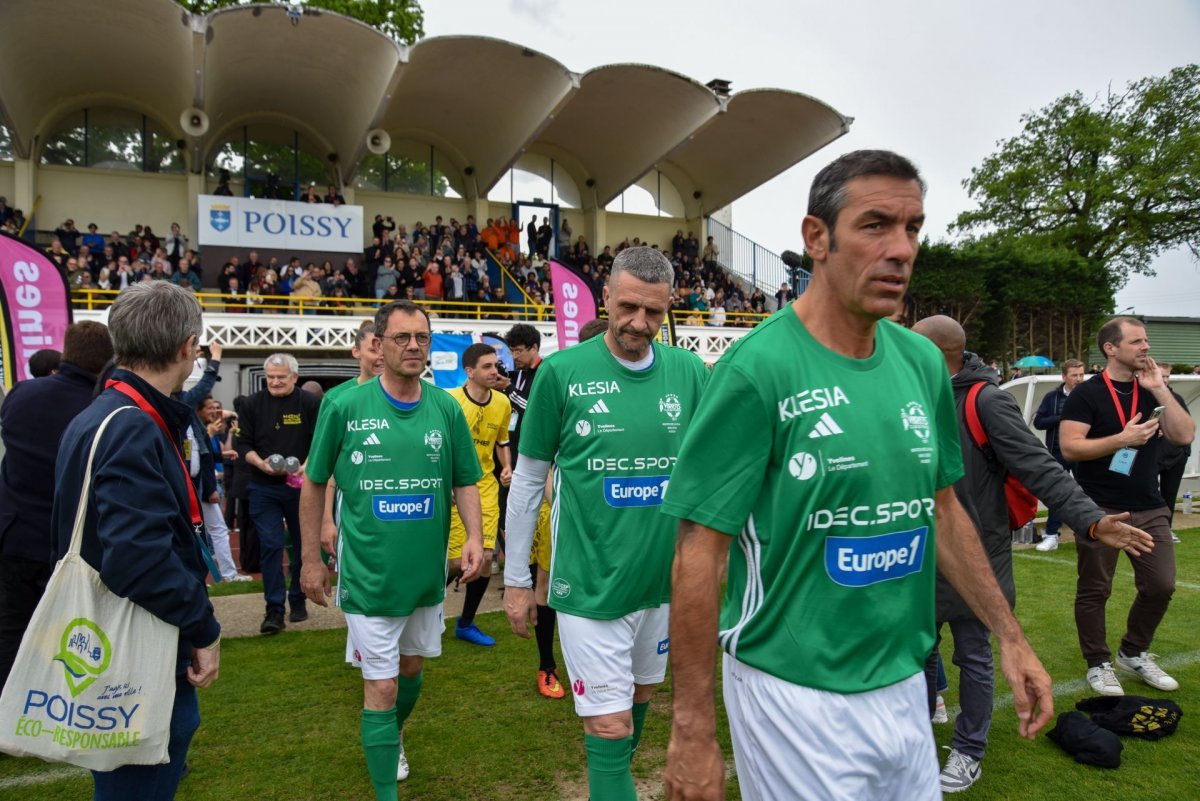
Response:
column 6, row 151
column 229, row 157
column 65, row 144
column 566, row 191
column 531, row 178
column 502, row 191
column 670, row 201
column 370, row 173
column 639, row 201
column 161, row 153
column 114, row 139
column 447, row 180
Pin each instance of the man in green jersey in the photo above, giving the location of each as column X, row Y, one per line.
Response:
column 610, row 414
column 399, row 448
column 820, row 462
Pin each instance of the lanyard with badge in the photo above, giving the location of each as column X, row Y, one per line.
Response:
column 1122, row 460
column 197, row 519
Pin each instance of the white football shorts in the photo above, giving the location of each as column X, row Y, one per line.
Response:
column 375, row 644
column 794, row 742
column 605, row 658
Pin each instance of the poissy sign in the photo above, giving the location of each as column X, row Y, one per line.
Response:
column 281, row 224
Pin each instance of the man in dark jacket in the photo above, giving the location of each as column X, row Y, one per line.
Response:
column 1012, row 448
column 1048, row 415
column 138, row 530
column 1172, row 459
column 33, row 418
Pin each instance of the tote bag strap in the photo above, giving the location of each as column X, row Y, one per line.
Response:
column 81, row 512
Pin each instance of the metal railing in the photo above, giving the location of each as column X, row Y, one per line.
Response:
column 751, row 262
column 252, row 303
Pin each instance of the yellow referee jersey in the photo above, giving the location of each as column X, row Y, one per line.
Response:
column 488, row 423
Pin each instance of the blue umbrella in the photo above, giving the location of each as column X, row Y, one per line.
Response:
column 1033, row 361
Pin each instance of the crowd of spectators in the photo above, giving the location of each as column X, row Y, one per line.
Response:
column 442, row 264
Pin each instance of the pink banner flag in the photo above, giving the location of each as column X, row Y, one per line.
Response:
column 574, row 305
column 35, row 307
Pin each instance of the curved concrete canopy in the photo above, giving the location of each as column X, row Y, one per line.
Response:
column 514, row 89
column 328, row 70
column 335, row 78
column 761, row 133
column 57, row 55
column 624, row 118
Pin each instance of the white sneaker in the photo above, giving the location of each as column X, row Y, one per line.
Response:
column 241, row 577
column 402, row 766
column 1103, row 680
column 1144, row 666
column 939, row 712
column 1049, row 543
column 1175, row 537
column 960, row 773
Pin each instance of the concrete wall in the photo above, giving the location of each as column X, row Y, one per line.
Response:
column 113, row 199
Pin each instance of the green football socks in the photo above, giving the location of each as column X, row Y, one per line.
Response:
column 609, row 777
column 639, row 722
column 381, row 745
column 407, row 692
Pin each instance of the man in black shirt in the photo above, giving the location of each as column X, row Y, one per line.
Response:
column 1110, row 428
column 279, row 420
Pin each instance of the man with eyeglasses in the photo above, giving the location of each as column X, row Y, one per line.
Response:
column 401, row 453
column 488, row 414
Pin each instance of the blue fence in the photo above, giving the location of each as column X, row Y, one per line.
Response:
column 751, row 262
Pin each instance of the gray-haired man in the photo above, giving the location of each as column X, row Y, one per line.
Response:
column 279, row 420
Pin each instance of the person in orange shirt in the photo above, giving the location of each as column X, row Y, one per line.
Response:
column 514, row 238
column 433, row 282
column 489, row 236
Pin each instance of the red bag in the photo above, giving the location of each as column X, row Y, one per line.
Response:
column 1022, row 504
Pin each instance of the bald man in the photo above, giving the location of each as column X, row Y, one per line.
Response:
column 1012, row 448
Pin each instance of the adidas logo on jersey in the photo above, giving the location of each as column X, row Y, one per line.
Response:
column 371, row 440
column 599, row 407
column 826, row 427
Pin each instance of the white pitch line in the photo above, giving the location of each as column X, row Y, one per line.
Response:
column 41, row 777
column 1075, row 685
column 1185, row 585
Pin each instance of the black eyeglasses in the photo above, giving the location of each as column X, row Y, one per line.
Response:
column 402, row 339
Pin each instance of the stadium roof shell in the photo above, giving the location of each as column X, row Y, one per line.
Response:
column 335, row 79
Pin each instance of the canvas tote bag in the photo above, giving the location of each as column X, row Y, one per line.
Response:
column 94, row 681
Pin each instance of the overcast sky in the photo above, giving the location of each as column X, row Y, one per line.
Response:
column 939, row 81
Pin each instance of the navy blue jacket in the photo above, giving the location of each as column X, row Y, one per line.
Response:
column 1047, row 419
column 138, row 532
column 33, row 417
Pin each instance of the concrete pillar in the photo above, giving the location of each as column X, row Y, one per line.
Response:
column 196, row 186
column 597, row 223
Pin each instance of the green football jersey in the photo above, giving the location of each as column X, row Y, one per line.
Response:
column 334, row 391
column 824, row 469
column 395, row 469
column 613, row 435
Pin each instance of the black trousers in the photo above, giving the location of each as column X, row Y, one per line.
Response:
column 1168, row 484
column 22, row 582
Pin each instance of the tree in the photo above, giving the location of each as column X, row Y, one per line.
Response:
column 402, row 20
column 1114, row 180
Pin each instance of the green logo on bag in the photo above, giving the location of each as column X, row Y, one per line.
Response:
column 85, row 653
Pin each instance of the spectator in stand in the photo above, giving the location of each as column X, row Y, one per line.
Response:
column 433, row 282
column 334, row 197
column 564, row 238
column 305, row 290
column 531, row 235
column 105, row 279
column 58, row 254
column 75, row 273
column 6, row 212
column 711, row 254
column 387, row 277
column 185, row 278
column 784, row 296
column 237, row 301
column 545, row 235
column 68, row 235
column 382, row 224
column 150, row 239
column 455, row 284
column 716, row 317
column 677, row 242
column 175, row 245
column 310, row 195
column 93, row 240
column 580, row 252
